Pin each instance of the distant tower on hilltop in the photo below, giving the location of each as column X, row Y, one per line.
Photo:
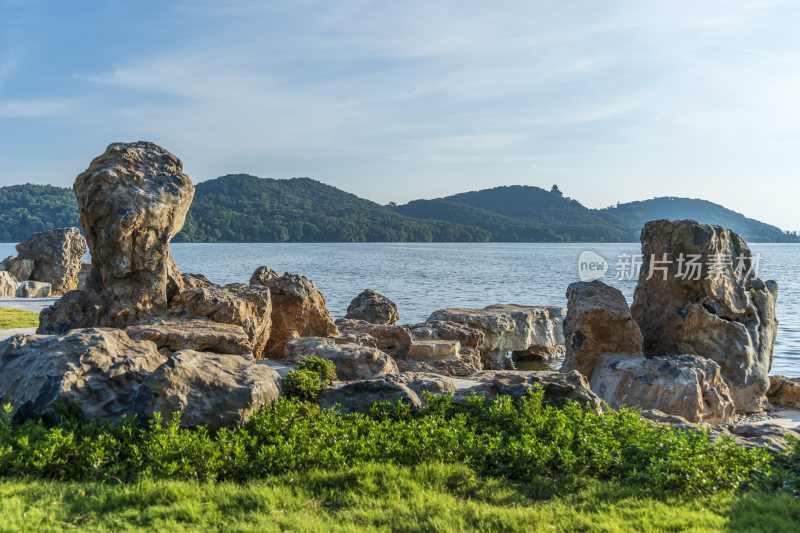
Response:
column 556, row 190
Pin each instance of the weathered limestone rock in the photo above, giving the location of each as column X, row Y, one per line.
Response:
column 8, row 285
column 248, row 306
column 422, row 382
column 193, row 281
column 56, row 256
column 558, row 387
column 598, row 322
column 20, row 268
column 352, row 360
column 33, row 289
column 297, row 349
column 100, row 369
column 360, row 395
column 539, row 353
column 374, row 308
column 364, row 339
column 728, row 318
column 215, row 390
column 83, row 276
column 507, row 328
column 298, row 310
column 784, row 391
column 75, row 310
column 394, row 340
column 193, row 334
column 439, row 330
column 687, row 385
column 262, row 275
column 434, row 350
column 466, row 363
column 132, row 200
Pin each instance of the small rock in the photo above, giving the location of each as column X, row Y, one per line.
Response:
column 434, row 350
column 33, row 289
column 360, row 395
column 263, row 275
column 56, row 256
column 20, row 268
column 374, row 308
column 421, row 382
column 352, row 361
column 8, row 285
column 194, row 281
column 784, row 391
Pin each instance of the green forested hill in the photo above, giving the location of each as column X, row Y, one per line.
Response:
column 243, row 208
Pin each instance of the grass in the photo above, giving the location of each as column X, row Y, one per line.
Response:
column 380, row 497
column 17, row 318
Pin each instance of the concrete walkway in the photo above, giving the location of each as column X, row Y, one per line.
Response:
column 27, row 304
column 6, row 333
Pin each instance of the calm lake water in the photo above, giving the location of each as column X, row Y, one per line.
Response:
column 421, row 278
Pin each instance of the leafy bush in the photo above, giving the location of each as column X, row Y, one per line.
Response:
column 309, row 379
column 326, row 369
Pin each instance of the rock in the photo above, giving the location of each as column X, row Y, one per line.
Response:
column 33, row 289
column 8, row 285
column 373, row 307
column 360, row 395
column 728, row 318
column 762, row 435
column 539, row 353
column 83, row 276
column 247, row 306
column 598, row 322
column 20, row 268
column 364, row 339
column 508, row 327
column 784, row 391
column 440, row 330
column 422, row 382
column 194, row 281
column 298, row 310
column 98, row 369
column 661, row 417
column 262, row 275
column 558, row 387
column 466, row 363
column 193, row 334
column 210, row 389
column 75, row 310
column 433, row 350
column 132, row 200
column 394, row 340
column 689, row 386
column 352, row 361
column 298, row 349
column 56, row 255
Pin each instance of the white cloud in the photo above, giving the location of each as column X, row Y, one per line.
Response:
column 34, row 108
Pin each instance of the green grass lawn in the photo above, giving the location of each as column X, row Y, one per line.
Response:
column 16, row 318
column 380, row 497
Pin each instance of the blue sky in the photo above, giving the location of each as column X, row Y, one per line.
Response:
column 613, row 101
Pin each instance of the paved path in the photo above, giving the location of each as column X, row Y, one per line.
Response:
column 6, row 333
column 27, row 304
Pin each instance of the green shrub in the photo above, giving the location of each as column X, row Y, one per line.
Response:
column 304, row 384
column 326, row 369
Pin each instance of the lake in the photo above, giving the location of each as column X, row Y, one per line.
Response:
column 421, row 278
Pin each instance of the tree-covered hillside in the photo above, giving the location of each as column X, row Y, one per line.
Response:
column 703, row 211
column 243, row 208
column 26, row 209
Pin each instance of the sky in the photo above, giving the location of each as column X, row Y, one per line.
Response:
column 614, row 101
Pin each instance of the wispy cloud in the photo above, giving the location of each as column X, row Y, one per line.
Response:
column 34, row 108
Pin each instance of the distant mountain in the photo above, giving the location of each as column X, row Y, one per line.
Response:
column 525, row 214
column 244, row 208
column 704, row 211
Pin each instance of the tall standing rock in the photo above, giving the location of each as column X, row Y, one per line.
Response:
column 373, row 307
column 719, row 309
column 598, row 322
column 56, row 256
column 133, row 199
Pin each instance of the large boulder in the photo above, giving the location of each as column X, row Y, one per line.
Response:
column 508, row 328
column 558, row 387
column 33, row 289
column 210, row 389
column 97, row 370
column 727, row 314
column 298, row 310
column 20, row 268
column 132, row 200
column 248, row 306
column 56, row 256
column 686, row 385
column 466, row 363
column 352, row 361
column 394, row 340
column 197, row 334
column 360, row 395
column 422, row 382
column 262, row 275
column 373, row 307
column 598, row 322
column 440, row 330
column 8, row 285
column 75, row 310
column 784, row 391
